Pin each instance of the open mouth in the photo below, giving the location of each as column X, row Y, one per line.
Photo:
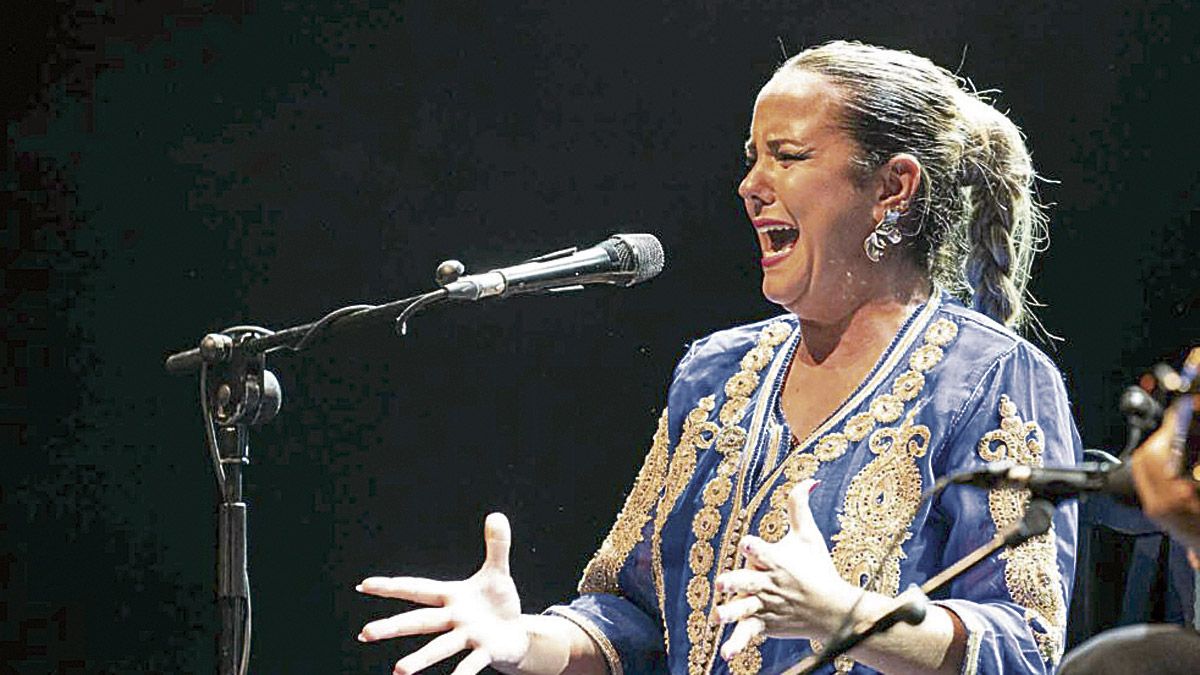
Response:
column 780, row 237
column 777, row 239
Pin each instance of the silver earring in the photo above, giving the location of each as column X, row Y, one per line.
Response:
column 885, row 234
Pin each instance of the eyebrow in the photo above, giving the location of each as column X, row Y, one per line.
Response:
column 773, row 145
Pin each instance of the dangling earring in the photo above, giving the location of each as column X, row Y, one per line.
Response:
column 885, row 234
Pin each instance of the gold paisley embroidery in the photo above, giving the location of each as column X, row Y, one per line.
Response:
column 600, row 575
column 730, row 440
column 879, row 503
column 1031, row 569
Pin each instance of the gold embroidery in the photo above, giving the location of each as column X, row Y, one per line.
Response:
column 887, row 408
column 859, row 426
column 831, row 447
column 774, row 439
column 733, row 410
column 926, row 357
column 756, row 359
column 1031, row 569
column 600, row 575
column 701, row 557
column 749, row 660
column 800, row 467
column 717, row 490
column 908, row 385
column 730, row 440
column 941, row 332
column 880, row 503
column 707, row 521
column 743, row 383
column 773, row 526
column 796, row 468
column 697, row 434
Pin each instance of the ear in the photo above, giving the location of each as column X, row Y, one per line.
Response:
column 897, row 182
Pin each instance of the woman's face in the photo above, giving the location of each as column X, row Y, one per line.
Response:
column 809, row 212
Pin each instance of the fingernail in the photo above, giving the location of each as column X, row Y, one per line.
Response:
column 362, row 638
column 814, row 485
column 358, row 588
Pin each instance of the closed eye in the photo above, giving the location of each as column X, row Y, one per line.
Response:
column 792, row 156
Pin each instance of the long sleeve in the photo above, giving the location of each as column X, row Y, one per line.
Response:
column 617, row 605
column 1014, row 603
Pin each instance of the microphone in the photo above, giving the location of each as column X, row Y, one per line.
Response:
column 620, row 260
column 1057, row 484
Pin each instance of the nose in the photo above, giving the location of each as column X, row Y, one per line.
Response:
column 755, row 189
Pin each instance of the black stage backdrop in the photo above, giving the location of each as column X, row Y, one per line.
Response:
column 171, row 168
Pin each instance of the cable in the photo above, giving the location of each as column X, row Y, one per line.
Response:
column 428, row 298
column 210, row 436
column 325, row 321
column 245, row 661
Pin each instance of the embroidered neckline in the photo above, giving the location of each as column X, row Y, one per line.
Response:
column 826, row 445
column 899, row 343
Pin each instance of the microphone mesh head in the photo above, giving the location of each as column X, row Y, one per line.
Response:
column 641, row 254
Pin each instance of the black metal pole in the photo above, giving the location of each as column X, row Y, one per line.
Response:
column 350, row 318
column 232, row 592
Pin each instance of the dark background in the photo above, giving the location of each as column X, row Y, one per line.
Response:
column 171, row 168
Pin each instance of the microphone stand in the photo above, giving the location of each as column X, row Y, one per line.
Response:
column 247, row 394
column 1039, row 514
column 236, row 393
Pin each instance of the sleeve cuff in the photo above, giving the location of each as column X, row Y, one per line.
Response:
column 630, row 640
column 606, row 646
column 975, row 630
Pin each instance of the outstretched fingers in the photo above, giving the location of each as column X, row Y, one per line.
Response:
column 413, row 589
column 416, row 622
column 438, row 649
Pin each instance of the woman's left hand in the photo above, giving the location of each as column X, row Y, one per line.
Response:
column 787, row 589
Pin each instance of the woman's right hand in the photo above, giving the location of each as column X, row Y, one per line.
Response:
column 481, row 614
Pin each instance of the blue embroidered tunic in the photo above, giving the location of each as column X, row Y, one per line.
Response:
column 952, row 392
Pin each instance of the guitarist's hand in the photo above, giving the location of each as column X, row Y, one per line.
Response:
column 1168, row 499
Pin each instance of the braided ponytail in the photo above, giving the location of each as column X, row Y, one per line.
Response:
column 1004, row 223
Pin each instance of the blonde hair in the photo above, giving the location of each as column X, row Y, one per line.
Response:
column 975, row 223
